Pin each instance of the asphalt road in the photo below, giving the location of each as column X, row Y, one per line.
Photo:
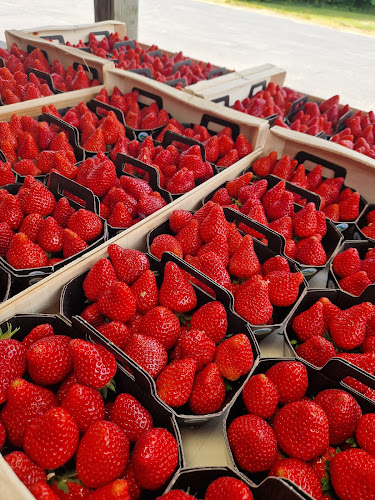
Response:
column 319, row 61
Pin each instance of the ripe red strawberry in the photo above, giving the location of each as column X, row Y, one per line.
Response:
column 113, row 491
column 229, row 159
column 25, row 402
column 277, row 263
column 368, row 265
column 179, row 219
column 355, row 283
column 347, row 327
column 234, row 357
column 72, row 243
column 99, row 278
column 252, row 303
column 290, row 249
column 50, row 236
column 120, row 216
column 349, row 207
column 85, row 405
column 311, row 251
column 365, row 432
column 26, row 470
column 212, row 149
column 317, row 351
column 6, row 174
column 309, row 323
column 244, row 262
column 49, row 360
column 264, row 165
column 284, row 226
column 352, row 474
column 28, row 148
column 146, row 292
column 284, row 168
column 359, row 387
column 165, row 243
column 6, row 235
column 300, row 473
column 51, row 439
column 260, row 396
column 332, row 212
column 305, row 221
column 365, row 361
column 62, row 212
column 233, row 186
column 38, row 200
column 116, row 332
column 98, row 174
column 252, row 442
column 213, row 267
column 243, row 146
column 290, row 379
column 343, row 413
column 211, row 318
column 160, row 323
column 346, row 263
column 10, row 211
column 273, row 195
column 208, row 393
column 283, row 287
column 31, row 225
column 195, row 344
column 24, row 254
column 148, row 353
column 128, row 264
column 213, row 224
column 176, row 293
column 134, row 488
column 283, row 207
column 175, row 382
column 94, row 366
column 102, row 454
column 155, row 458
column 189, row 238
column 131, row 416
column 86, row 224
column 26, row 167
column 301, row 430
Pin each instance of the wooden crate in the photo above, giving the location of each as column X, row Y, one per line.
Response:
column 360, row 168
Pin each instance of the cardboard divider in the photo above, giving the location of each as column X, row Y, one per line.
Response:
column 124, row 384
column 361, row 223
column 341, row 299
column 72, row 303
column 197, row 480
column 171, row 136
column 329, row 377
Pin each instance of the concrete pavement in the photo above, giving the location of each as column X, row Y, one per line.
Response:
column 319, row 60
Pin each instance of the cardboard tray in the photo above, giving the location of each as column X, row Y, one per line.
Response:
column 73, row 303
column 197, row 480
column 275, row 247
column 341, row 299
column 361, row 223
column 328, row 377
column 124, row 383
column 362, row 246
column 359, row 168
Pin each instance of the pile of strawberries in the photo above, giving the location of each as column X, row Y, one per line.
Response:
column 16, row 85
column 369, row 229
column 182, row 347
column 34, row 148
column 225, row 487
column 56, row 419
column 324, row 331
column 207, row 241
column 160, row 67
column 288, row 434
column 354, row 274
column 38, row 231
column 337, row 204
column 358, row 134
column 303, row 230
column 125, row 200
column 274, row 100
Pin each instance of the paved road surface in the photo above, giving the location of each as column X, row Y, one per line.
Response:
column 320, row 61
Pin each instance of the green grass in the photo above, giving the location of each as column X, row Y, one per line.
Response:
column 350, row 20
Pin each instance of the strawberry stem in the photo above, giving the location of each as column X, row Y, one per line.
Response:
column 9, row 332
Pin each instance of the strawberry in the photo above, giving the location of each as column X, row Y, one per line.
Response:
column 365, row 361
column 233, row 186
column 134, row 488
column 368, row 265
column 242, row 146
column 234, row 357
column 175, row 382
column 39, row 332
column 347, row 327
column 146, row 292
column 50, row 236
column 264, row 165
column 25, row 402
column 283, row 207
column 148, row 353
column 118, row 489
column 176, row 293
column 86, row 224
column 99, row 278
column 355, row 283
column 284, row 226
column 359, row 387
column 12, row 361
column 196, row 345
column 213, row 267
column 252, row 303
column 120, row 217
column 244, row 262
column 346, row 263
column 181, row 182
column 212, row 149
column 300, row 473
column 310, row 322
column 252, row 442
column 343, row 413
column 304, row 221
column 208, row 393
column 350, row 468
column 62, row 212
column 284, row 168
column 189, row 237
column 255, row 190
column 94, row 366
column 6, row 174
column 116, row 332
column 283, row 287
column 273, row 195
column 213, row 224
column 51, row 439
column 229, row 159
column 234, row 238
column 178, row 219
column 316, row 350
column 349, row 208
column 160, row 323
column 25, row 469
column 131, row 417
column 277, row 263
column 290, row 379
column 28, row 148
column 301, row 430
column 85, row 405
column 49, row 360
column 290, row 249
column 72, row 243
column 98, row 174
column 155, row 458
column 166, row 243
column 38, row 200
column 228, row 488
column 211, row 319
column 365, row 432
column 128, row 264
column 310, row 251
column 10, row 211
column 102, row 454
column 260, row 396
